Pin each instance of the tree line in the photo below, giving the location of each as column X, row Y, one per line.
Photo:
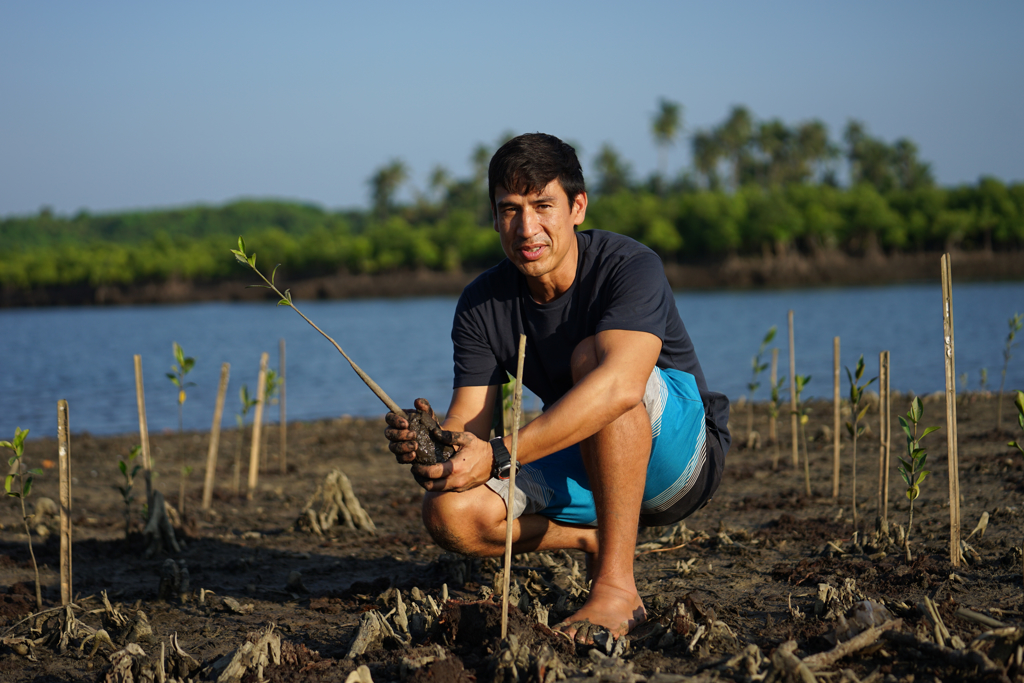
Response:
column 755, row 186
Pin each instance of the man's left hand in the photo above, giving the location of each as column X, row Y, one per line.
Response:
column 468, row 468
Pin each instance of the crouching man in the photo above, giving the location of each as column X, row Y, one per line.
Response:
column 630, row 435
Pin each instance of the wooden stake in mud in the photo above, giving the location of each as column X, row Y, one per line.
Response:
column 954, row 460
column 211, row 455
column 792, row 392
column 773, row 434
column 836, row 418
column 884, row 416
column 257, row 420
column 283, row 428
column 517, row 409
column 64, row 468
column 140, row 398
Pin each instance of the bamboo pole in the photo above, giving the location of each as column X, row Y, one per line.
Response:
column 517, row 409
column 283, row 427
column 951, row 437
column 211, row 455
column 792, row 392
column 773, row 434
column 140, row 399
column 836, row 417
column 257, row 420
column 64, row 468
column 883, row 442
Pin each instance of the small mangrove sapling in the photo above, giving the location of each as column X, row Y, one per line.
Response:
column 248, row 402
column 982, row 379
column 129, row 468
column 802, row 413
column 18, row 484
column 179, row 368
column 758, row 366
column 854, row 427
column 431, row 449
column 1019, row 402
column 774, row 407
column 912, row 468
column 1016, row 323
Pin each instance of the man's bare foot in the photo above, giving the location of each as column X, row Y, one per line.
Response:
column 610, row 607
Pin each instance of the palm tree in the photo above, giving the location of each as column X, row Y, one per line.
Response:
column 384, row 183
column 707, row 150
column 666, row 125
column 734, row 137
column 612, row 171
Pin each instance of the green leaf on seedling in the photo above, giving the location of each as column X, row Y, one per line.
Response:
column 241, row 244
column 921, row 476
column 913, row 492
column 7, row 485
column 28, row 487
column 916, row 409
column 10, row 461
column 123, row 467
column 929, row 430
column 863, row 412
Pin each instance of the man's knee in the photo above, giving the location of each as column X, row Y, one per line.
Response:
column 584, row 359
column 457, row 522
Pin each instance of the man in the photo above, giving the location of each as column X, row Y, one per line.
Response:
column 629, row 435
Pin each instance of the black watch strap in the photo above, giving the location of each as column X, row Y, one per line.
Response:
column 502, row 459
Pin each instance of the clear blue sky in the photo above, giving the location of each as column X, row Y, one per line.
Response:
column 113, row 105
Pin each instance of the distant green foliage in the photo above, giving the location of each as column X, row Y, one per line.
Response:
column 755, row 186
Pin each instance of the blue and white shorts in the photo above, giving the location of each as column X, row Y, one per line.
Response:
column 683, row 472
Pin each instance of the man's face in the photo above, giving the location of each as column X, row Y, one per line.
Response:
column 538, row 234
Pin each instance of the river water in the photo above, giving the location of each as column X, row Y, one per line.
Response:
column 84, row 355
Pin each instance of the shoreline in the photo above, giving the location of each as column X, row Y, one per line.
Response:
column 824, row 268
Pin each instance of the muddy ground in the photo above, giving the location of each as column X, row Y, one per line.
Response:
column 725, row 591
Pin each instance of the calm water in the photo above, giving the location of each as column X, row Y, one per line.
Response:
column 84, row 355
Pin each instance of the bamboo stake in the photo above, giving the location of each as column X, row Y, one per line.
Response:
column 283, row 427
column 884, row 416
column 792, row 392
column 951, row 440
column 64, row 467
column 211, row 455
column 257, row 420
column 836, row 418
column 140, row 399
column 517, row 409
column 772, row 431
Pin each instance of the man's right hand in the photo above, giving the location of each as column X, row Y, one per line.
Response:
column 402, row 439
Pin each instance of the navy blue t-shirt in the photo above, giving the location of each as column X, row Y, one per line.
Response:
column 620, row 285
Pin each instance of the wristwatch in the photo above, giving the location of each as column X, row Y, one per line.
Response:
column 502, row 459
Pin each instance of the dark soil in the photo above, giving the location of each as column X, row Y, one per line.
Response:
column 745, row 571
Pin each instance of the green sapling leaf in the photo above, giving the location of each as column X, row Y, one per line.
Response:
column 929, row 430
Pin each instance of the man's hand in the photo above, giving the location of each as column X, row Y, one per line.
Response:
column 468, row 468
column 403, row 440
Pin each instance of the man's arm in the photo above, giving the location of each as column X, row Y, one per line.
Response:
column 624, row 361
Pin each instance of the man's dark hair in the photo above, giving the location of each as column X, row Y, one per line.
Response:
column 529, row 162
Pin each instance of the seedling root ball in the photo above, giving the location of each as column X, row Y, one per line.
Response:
column 430, row 449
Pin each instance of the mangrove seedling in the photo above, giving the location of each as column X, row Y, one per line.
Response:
column 18, row 484
column 801, row 412
column 1019, row 402
column 129, row 468
column 912, row 468
column 982, row 379
column 1015, row 324
column 431, row 449
column 179, row 368
column 758, row 366
column 248, row 402
column 270, row 392
column 774, row 407
column 854, row 427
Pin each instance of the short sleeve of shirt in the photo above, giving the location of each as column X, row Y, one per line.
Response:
column 636, row 296
column 473, row 335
